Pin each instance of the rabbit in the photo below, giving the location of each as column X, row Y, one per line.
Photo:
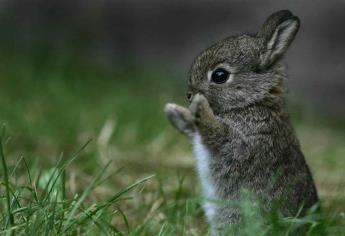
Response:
column 238, row 125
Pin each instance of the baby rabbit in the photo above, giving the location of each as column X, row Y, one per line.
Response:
column 239, row 127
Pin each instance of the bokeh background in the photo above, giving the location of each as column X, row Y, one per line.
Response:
column 75, row 70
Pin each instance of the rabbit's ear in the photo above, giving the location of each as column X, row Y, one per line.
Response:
column 278, row 32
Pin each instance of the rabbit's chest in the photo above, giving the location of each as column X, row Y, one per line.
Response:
column 203, row 157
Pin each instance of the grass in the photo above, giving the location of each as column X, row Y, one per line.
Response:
column 40, row 206
column 47, row 187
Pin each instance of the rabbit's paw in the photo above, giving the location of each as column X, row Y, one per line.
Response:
column 181, row 118
column 201, row 111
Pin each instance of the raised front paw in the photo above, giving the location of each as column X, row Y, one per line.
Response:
column 201, row 111
column 181, row 118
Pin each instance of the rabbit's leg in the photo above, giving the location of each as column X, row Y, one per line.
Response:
column 181, row 118
column 203, row 115
column 211, row 129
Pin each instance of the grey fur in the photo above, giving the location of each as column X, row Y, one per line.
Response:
column 244, row 123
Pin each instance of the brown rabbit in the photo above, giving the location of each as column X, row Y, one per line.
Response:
column 239, row 127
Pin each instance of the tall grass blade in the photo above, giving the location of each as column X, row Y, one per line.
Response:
column 7, row 188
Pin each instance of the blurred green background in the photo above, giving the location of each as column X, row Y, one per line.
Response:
column 80, row 70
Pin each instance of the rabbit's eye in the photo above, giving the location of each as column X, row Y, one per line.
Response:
column 220, row 76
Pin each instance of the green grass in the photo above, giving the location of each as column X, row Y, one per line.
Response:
column 48, row 187
column 39, row 206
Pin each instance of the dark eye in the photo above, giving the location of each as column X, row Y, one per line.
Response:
column 220, row 76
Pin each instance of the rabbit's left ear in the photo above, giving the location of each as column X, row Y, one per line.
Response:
column 278, row 32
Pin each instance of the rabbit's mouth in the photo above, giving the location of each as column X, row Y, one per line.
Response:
column 190, row 96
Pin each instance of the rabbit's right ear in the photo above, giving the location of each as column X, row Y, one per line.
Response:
column 278, row 32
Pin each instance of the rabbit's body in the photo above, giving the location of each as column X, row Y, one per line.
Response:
column 241, row 133
column 204, row 160
column 252, row 158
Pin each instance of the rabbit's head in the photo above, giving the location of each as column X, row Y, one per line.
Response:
column 244, row 70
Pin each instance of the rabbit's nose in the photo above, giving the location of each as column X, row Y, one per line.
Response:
column 189, row 96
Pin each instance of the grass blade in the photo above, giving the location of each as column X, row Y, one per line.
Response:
column 7, row 187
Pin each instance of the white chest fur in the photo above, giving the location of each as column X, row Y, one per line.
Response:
column 203, row 157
